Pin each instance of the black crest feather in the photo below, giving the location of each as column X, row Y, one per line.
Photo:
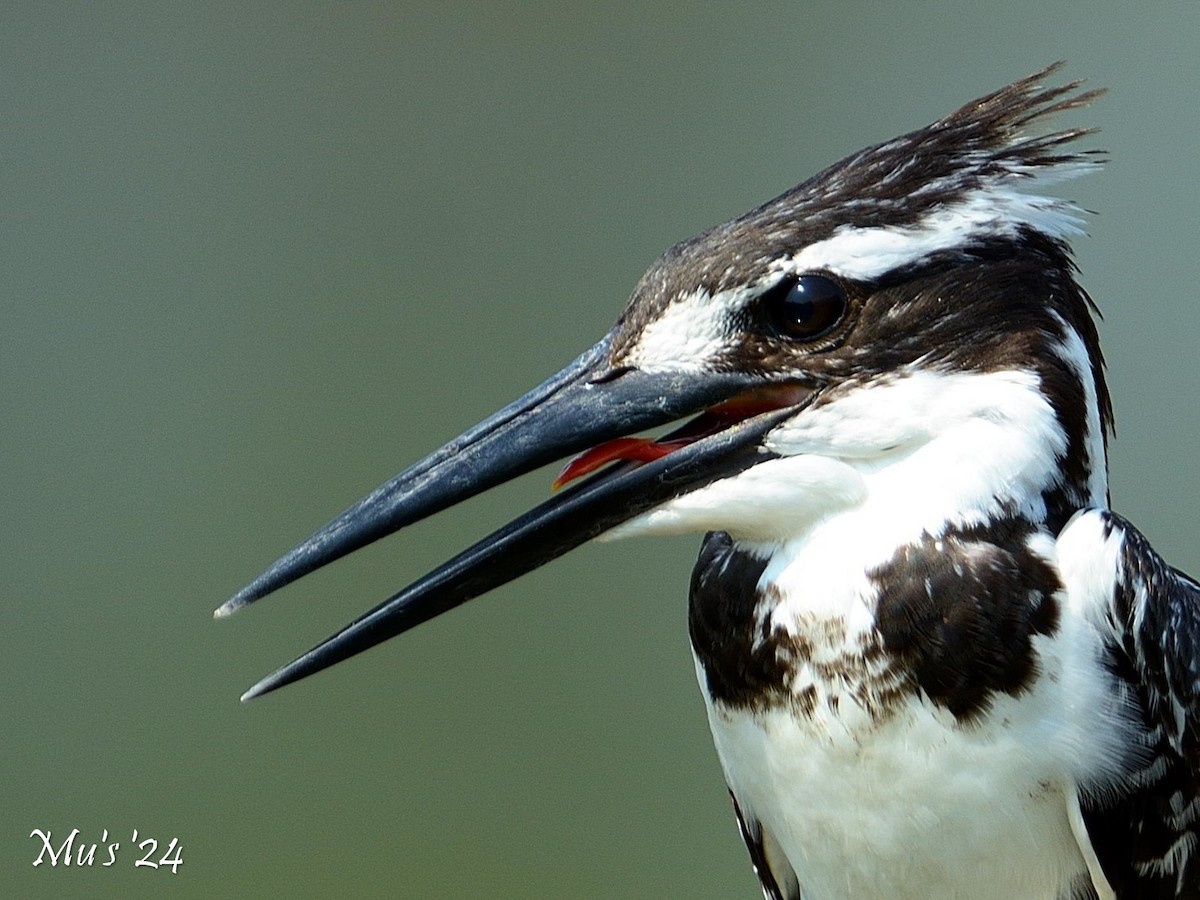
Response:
column 892, row 184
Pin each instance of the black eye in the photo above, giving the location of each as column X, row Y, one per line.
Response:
column 805, row 306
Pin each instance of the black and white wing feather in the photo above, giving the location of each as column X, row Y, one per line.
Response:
column 774, row 874
column 1146, row 833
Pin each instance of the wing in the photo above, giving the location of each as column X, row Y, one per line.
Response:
column 761, row 846
column 1146, row 836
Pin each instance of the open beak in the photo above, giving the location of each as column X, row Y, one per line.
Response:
column 589, row 404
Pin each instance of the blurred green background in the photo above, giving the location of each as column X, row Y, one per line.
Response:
column 257, row 257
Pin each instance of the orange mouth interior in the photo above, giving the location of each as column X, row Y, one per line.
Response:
column 714, row 419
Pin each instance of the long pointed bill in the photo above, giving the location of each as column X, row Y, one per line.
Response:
column 584, row 404
column 587, row 404
column 557, row 526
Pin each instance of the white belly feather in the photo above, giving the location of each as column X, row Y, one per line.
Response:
column 920, row 806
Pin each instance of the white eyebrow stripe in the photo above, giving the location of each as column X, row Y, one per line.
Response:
column 866, row 253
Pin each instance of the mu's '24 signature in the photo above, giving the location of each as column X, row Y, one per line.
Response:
column 73, row 850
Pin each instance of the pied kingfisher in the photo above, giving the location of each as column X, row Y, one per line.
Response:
column 934, row 663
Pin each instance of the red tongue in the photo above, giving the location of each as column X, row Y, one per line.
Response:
column 641, row 450
column 712, row 420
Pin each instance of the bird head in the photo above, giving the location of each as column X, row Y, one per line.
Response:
column 918, row 294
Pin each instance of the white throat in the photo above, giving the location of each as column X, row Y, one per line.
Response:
column 875, row 469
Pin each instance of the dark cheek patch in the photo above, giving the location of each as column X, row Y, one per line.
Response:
column 961, row 614
column 955, row 620
column 724, row 594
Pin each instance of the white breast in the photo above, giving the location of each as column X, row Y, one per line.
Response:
column 915, row 804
